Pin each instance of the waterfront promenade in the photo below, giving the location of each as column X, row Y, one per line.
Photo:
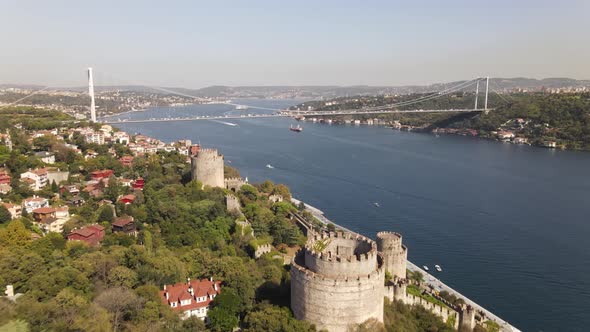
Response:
column 428, row 278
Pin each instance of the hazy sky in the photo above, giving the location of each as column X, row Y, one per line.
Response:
column 198, row 43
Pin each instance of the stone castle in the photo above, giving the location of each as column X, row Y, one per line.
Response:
column 338, row 280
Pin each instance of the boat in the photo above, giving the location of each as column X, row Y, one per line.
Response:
column 241, row 107
column 376, row 204
column 438, row 268
column 425, row 268
column 297, row 129
column 269, row 166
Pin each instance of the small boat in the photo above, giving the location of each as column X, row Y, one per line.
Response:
column 425, row 268
column 297, row 129
column 269, row 166
column 376, row 204
column 437, row 267
column 241, row 107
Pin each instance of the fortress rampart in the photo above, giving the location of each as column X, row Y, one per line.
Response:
column 207, row 167
column 345, row 254
column 337, row 280
column 395, row 254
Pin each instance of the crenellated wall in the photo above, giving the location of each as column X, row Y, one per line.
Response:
column 395, row 254
column 339, row 286
column 207, row 167
column 398, row 292
column 234, row 184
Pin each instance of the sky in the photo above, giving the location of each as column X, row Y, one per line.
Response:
column 195, row 43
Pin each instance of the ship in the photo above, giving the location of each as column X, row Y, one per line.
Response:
column 297, row 129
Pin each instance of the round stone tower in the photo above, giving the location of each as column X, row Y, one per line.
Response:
column 395, row 254
column 337, row 280
column 207, row 167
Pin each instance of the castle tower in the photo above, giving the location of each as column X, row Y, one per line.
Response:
column 467, row 318
column 207, row 167
column 395, row 254
column 337, row 280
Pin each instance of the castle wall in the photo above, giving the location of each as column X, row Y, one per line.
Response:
column 334, row 304
column 232, row 203
column 234, row 184
column 207, row 167
column 395, row 254
column 398, row 292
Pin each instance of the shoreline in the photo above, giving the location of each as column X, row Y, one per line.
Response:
column 428, row 278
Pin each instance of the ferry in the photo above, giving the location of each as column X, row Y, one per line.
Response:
column 269, row 166
column 437, row 267
column 297, row 129
column 425, row 268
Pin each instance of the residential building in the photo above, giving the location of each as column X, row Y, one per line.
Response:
column 121, row 137
column 191, row 299
column 39, row 176
column 127, row 199
column 76, row 201
column 92, row 235
column 15, row 210
column 32, row 203
column 126, row 161
column 46, row 157
column 95, row 137
column 4, row 176
column 5, row 188
column 125, row 225
column 101, row 174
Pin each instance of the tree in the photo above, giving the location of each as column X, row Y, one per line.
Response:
column 5, row 215
column 220, row 320
column 15, row 234
column 119, row 302
column 106, row 213
column 121, row 276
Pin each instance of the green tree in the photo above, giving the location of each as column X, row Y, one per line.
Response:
column 106, row 213
column 15, row 234
column 5, row 215
column 122, row 276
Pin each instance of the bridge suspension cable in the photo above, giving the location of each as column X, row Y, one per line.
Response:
column 25, row 97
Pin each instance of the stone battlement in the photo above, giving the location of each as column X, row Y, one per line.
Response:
column 209, row 154
column 335, row 279
column 341, row 254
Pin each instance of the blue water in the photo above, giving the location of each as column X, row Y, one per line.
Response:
column 509, row 224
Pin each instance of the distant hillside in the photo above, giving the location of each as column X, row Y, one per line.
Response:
column 317, row 92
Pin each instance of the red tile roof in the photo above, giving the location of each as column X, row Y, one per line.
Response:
column 122, row 221
column 44, row 210
column 180, row 291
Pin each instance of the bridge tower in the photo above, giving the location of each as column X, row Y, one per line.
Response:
column 476, row 94
column 485, row 107
column 91, row 93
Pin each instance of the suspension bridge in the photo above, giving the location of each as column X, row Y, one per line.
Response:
column 393, row 108
column 277, row 113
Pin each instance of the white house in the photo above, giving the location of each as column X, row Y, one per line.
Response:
column 192, row 298
column 39, row 176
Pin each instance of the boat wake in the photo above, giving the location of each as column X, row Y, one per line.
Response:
column 226, row 123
